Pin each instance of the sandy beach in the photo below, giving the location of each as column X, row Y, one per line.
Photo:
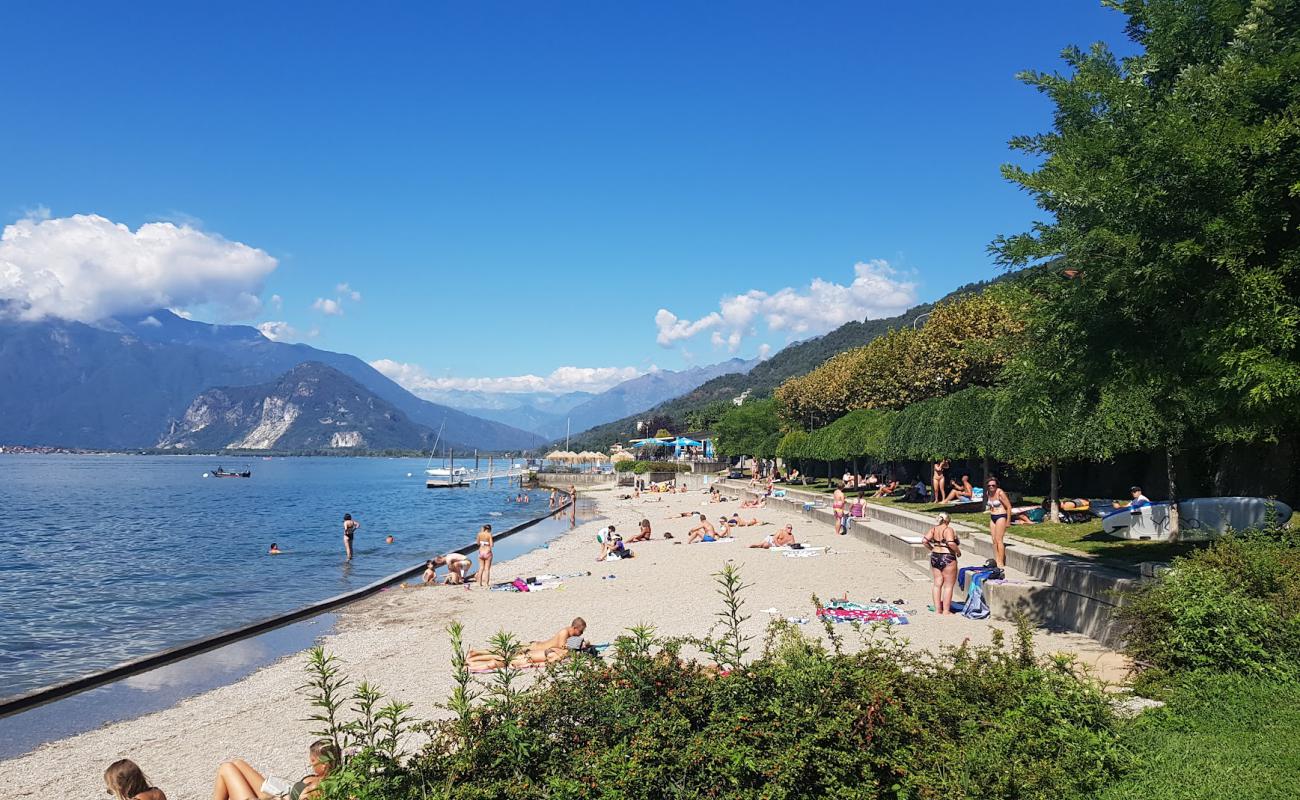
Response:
column 398, row 639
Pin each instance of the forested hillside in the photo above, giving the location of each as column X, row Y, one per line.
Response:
column 697, row 408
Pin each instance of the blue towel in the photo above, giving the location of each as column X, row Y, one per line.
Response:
column 974, row 606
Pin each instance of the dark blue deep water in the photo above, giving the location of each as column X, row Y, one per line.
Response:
column 109, row 558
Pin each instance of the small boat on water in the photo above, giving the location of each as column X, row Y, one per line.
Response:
column 448, row 476
column 221, row 473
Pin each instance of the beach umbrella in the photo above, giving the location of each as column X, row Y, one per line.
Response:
column 555, row 455
column 622, row 456
column 568, row 455
column 588, row 455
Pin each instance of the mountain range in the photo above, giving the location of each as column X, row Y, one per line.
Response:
column 760, row 381
column 126, row 383
column 310, row 407
column 551, row 416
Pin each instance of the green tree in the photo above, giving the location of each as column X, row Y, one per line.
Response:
column 1171, row 181
column 751, row 429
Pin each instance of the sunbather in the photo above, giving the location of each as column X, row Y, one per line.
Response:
column 643, row 533
column 704, row 532
column 735, row 521
column 782, row 538
column 565, row 641
column 962, row 492
column 236, row 780
column 886, row 489
column 759, row 502
column 125, row 781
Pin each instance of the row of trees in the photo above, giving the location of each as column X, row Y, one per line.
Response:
column 1157, row 309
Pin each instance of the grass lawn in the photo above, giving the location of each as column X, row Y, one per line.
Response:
column 1220, row 737
column 1086, row 538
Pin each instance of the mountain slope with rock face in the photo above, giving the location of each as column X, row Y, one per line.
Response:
column 311, row 407
column 120, row 383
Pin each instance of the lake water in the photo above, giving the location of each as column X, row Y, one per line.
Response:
column 109, row 558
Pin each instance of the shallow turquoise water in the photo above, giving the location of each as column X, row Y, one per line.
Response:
column 109, row 558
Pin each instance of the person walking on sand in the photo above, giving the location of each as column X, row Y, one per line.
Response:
column 941, row 541
column 350, row 526
column 484, row 540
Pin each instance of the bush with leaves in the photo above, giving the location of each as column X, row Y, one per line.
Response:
column 1232, row 607
column 791, row 719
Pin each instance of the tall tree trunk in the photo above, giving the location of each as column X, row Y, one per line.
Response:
column 1054, row 492
column 987, row 473
column 1170, row 453
column 855, row 467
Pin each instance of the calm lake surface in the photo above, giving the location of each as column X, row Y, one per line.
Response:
column 109, row 558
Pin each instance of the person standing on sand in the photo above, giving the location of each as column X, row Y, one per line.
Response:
column 939, row 480
column 484, row 540
column 945, row 549
column 837, row 505
column 350, row 526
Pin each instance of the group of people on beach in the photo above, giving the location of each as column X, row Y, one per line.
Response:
column 235, row 779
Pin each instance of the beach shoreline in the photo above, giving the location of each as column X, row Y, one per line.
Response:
column 397, row 639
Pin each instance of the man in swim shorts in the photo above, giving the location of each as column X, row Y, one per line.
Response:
column 704, row 532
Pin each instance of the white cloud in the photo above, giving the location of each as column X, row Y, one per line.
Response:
column 277, row 302
column 277, row 330
column 764, row 350
column 328, row 306
column 562, row 379
column 151, row 322
column 344, row 290
column 823, row 306
column 88, row 268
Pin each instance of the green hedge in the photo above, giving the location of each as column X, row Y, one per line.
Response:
column 642, row 467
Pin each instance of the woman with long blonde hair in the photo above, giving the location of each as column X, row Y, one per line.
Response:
column 126, row 781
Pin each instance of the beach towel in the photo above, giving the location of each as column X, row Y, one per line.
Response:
column 974, row 607
column 715, row 540
column 805, row 553
column 791, row 549
column 844, row 611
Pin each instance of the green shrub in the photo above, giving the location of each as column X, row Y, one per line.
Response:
column 798, row 720
column 1232, row 607
column 624, row 466
column 642, row 467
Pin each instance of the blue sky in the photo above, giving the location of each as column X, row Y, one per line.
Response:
column 510, row 189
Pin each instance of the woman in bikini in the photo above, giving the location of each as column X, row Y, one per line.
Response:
column 999, row 508
column 941, row 541
column 837, row 505
column 236, row 780
column 125, row 781
column 485, row 556
column 939, row 480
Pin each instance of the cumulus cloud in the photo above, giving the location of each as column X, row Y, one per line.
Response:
column 875, row 291
column 328, row 306
column 764, row 350
column 88, row 268
column 277, row 330
column 277, row 302
column 344, row 290
column 564, row 379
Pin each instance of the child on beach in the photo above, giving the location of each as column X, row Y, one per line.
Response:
column 125, row 781
column 643, row 534
column 458, row 567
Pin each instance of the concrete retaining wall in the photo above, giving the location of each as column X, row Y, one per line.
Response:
column 1058, row 590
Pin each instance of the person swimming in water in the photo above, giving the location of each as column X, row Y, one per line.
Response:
column 389, row 539
column 275, row 550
